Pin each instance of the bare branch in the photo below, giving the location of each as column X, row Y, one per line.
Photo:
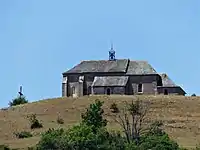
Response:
column 132, row 119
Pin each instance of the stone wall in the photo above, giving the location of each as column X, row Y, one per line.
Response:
column 171, row 90
column 149, row 84
column 113, row 90
column 64, row 86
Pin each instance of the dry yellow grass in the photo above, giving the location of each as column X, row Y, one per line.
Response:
column 181, row 116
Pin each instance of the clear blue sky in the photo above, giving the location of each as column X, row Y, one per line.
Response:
column 39, row 39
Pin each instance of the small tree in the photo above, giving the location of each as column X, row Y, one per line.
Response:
column 132, row 120
column 94, row 116
column 114, row 108
column 60, row 120
column 34, row 122
column 18, row 101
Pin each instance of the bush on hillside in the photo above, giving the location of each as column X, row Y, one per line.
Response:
column 158, row 143
column 32, row 148
column 155, row 129
column 193, row 94
column 197, row 148
column 23, row 134
column 34, row 122
column 18, row 101
column 4, row 147
column 60, row 120
column 81, row 137
column 51, row 139
column 114, row 108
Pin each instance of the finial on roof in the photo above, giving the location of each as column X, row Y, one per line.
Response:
column 111, row 53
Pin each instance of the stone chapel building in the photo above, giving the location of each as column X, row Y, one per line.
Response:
column 116, row 76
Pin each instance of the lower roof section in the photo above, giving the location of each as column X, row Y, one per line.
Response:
column 110, row 81
column 172, row 87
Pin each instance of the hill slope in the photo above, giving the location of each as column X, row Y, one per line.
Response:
column 181, row 116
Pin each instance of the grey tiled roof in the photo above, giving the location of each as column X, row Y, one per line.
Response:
column 167, row 82
column 140, row 67
column 119, row 65
column 110, row 81
column 100, row 66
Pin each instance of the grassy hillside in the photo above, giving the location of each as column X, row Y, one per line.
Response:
column 181, row 116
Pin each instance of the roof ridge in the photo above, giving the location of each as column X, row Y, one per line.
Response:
column 162, row 73
column 102, row 60
column 139, row 60
column 119, row 65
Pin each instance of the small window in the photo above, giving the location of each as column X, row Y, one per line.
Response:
column 140, row 89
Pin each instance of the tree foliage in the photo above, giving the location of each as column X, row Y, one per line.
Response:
column 155, row 142
column 94, row 116
column 18, row 101
column 80, row 137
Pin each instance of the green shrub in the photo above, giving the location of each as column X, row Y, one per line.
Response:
column 18, row 101
column 32, row 148
column 53, row 139
column 60, row 120
column 114, row 108
column 94, row 115
column 23, row 134
column 80, row 137
column 193, row 95
column 158, row 143
column 131, row 146
column 197, row 147
column 34, row 121
column 155, row 129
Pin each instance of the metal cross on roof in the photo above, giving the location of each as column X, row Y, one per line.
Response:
column 20, row 91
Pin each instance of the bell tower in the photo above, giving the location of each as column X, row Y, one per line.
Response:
column 112, row 53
